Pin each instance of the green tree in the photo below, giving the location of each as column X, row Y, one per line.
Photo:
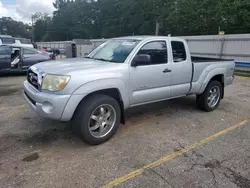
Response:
column 42, row 23
column 111, row 18
column 8, row 26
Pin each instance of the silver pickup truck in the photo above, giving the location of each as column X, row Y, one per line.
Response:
column 94, row 91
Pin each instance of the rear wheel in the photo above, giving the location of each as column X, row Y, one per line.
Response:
column 211, row 97
column 97, row 119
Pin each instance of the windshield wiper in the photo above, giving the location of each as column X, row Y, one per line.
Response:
column 101, row 59
column 111, row 61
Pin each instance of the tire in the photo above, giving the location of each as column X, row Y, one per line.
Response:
column 83, row 118
column 202, row 100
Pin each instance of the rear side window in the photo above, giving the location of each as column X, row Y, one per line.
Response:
column 157, row 51
column 179, row 51
column 28, row 52
column 6, row 40
column 25, row 41
column 5, row 50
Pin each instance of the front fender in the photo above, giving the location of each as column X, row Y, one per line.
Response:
column 107, row 83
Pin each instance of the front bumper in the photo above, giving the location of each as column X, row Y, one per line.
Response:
column 45, row 104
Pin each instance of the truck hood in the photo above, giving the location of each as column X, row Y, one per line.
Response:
column 73, row 65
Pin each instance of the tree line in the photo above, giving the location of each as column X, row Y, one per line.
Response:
column 112, row 18
column 8, row 26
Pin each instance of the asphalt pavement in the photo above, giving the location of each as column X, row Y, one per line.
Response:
column 167, row 144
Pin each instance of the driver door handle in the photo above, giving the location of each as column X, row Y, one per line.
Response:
column 166, row 71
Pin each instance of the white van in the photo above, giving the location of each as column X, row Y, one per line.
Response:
column 20, row 42
column 23, row 42
column 6, row 40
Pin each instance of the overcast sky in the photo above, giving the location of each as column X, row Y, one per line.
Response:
column 21, row 10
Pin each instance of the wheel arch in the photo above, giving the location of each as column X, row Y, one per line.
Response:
column 112, row 92
column 114, row 87
column 217, row 75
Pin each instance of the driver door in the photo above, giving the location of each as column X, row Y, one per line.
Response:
column 151, row 82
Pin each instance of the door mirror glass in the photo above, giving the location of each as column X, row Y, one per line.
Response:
column 142, row 59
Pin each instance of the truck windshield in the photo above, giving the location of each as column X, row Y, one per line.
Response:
column 115, row 50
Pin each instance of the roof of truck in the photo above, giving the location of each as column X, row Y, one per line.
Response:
column 143, row 37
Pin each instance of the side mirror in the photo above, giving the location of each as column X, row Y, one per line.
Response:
column 142, row 59
column 86, row 54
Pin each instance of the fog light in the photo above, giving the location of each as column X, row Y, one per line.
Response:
column 47, row 107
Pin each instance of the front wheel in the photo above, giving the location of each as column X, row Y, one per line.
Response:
column 97, row 119
column 210, row 99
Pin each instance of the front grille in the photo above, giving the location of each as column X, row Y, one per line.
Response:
column 30, row 99
column 32, row 78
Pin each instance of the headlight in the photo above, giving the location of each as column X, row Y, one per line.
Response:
column 55, row 82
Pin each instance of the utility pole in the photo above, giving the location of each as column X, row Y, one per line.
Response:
column 157, row 28
column 32, row 32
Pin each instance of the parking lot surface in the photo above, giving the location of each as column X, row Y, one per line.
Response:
column 167, row 144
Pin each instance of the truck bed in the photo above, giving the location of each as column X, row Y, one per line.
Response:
column 197, row 59
column 203, row 65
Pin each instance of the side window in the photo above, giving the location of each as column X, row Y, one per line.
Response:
column 6, row 40
column 25, row 41
column 157, row 51
column 179, row 52
column 5, row 50
column 29, row 52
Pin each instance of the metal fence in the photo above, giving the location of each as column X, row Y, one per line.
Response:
column 83, row 48
column 54, row 44
column 235, row 47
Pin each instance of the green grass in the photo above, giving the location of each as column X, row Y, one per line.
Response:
column 242, row 74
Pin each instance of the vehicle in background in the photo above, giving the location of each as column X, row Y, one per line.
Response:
column 21, row 42
column 62, row 50
column 56, row 51
column 53, row 52
column 34, row 45
column 46, row 49
column 6, row 40
column 124, row 72
column 16, row 59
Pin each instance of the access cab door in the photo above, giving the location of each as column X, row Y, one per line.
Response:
column 5, row 57
column 181, row 67
column 151, row 82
